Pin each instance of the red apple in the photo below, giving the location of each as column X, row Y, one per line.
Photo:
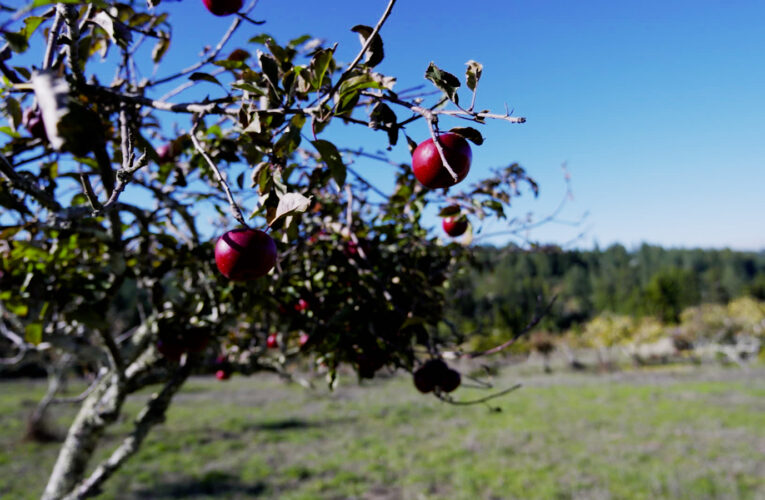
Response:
column 423, row 380
column 272, row 341
column 450, row 380
column 245, row 254
column 33, row 121
column 222, row 375
column 455, row 226
column 301, row 305
column 428, row 167
column 223, row 7
column 167, row 153
column 436, row 374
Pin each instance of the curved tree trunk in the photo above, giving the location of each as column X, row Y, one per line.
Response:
column 101, row 408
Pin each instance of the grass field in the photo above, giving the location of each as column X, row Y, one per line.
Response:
column 693, row 433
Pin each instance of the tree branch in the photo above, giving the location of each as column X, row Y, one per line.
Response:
column 236, row 212
column 152, row 414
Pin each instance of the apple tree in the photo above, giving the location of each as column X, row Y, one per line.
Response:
column 144, row 235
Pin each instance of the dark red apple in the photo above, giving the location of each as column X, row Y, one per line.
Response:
column 223, row 7
column 245, row 254
column 450, row 380
column 369, row 362
column 436, row 374
column 428, row 167
column 455, row 226
column 272, row 341
column 33, row 121
column 222, row 375
column 423, row 380
column 170, row 348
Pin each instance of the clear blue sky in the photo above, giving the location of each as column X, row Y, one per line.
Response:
column 656, row 107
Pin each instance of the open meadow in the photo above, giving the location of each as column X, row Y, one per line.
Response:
column 682, row 432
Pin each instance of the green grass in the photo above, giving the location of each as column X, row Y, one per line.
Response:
column 692, row 434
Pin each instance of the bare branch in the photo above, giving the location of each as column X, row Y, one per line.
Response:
column 17, row 181
column 50, row 50
column 212, row 55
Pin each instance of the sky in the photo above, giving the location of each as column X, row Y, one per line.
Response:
column 654, row 106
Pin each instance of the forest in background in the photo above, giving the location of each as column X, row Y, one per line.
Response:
column 508, row 286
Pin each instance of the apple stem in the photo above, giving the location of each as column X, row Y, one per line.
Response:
column 249, row 20
column 236, row 212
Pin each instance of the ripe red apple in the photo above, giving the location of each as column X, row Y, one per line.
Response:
column 455, row 226
column 33, row 121
column 223, row 7
column 272, row 341
column 301, row 305
column 303, row 340
column 245, row 254
column 222, row 375
column 167, row 153
column 428, row 167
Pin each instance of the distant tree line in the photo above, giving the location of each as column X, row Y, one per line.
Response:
column 508, row 286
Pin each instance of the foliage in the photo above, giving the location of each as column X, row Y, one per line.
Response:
column 498, row 295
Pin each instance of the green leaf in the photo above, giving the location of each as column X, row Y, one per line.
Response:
column 118, row 32
column 469, row 133
column 17, row 41
column 290, row 139
column 449, row 211
column 374, row 53
column 270, row 68
column 230, row 64
column 331, row 156
column 298, row 41
column 444, row 81
column 359, row 82
column 33, row 333
column 31, row 24
column 12, row 109
column 290, row 204
column 318, row 67
column 348, row 93
column 195, row 77
column 382, row 116
column 160, row 48
column 473, row 74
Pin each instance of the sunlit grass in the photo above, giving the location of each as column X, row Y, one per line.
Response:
column 660, row 434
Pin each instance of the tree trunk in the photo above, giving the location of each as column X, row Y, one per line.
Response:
column 101, row 408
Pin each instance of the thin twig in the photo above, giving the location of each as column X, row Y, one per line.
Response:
column 531, row 324
column 236, row 212
column 212, row 55
column 449, row 400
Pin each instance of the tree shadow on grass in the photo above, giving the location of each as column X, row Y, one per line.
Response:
column 289, row 424
column 213, row 483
